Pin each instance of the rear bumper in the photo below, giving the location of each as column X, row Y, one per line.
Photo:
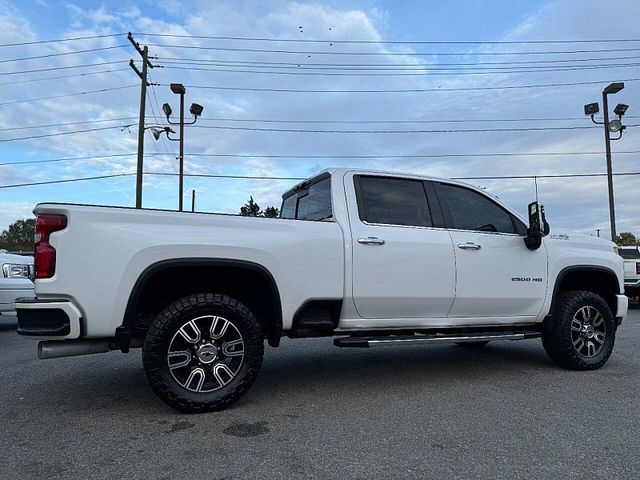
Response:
column 57, row 319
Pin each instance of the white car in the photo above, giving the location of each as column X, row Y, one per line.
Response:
column 16, row 272
column 373, row 258
column 631, row 256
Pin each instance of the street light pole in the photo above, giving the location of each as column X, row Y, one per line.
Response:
column 607, row 144
column 613, row 126
column 180, row 192
column 196, row 111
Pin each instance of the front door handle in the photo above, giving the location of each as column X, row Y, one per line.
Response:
column 469, row 246
column 371, row 241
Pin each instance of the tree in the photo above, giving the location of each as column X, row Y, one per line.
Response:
column 19, row 236
column 271, row 212
column 626, row 239
column 250, row 209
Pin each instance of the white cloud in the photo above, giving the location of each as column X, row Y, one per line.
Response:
column 577, row 204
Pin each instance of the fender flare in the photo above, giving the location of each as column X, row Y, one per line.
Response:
column 579, row 268
column 274, row 328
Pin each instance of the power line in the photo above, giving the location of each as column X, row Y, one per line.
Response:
column 68, row 180
column 165, row 142
column 66, row 67
column 327, row 157
column 264, row 177
column 204, row 61
column 302, row 121
column 60, row 54
column 386, row 67
column 434, row 155
column 43, row 79
column 457, row 120
column 565, row 175
column 410, row 90
column 404, row 54
column 58, row 134
column 65, row 159
column 415, row 72
column 51, row 125
column 452, row 130
column 69, row 39
column 400, row 42
column 25, row 100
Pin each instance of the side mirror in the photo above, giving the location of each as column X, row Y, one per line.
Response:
column 538, row 226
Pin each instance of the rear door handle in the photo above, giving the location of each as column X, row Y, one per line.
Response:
column 469, row 246
column 371, row 241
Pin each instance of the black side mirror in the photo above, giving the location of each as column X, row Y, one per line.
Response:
column 538, row 226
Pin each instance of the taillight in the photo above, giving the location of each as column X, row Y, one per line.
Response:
column 637, row 268
column 44, row 253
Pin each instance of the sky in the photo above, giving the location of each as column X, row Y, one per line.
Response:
column 449, row 89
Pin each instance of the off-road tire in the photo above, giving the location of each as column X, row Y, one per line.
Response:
column 557, row 333
column 470, row 345
column 165, row 327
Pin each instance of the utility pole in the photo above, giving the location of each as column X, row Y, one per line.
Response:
column 144, row 53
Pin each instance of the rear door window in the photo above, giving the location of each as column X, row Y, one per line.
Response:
column 392, row 201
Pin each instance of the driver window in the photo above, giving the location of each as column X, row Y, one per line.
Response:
column 469, row 210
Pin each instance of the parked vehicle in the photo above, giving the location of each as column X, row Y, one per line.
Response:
column 631, row 256
column 373, row 258
column 15, row 280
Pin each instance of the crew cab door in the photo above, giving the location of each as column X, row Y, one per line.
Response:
column 496, row 274
column 402, row 265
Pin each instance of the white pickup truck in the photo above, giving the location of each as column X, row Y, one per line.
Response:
column 631, row 256
column 16, row 272
column 372, row 258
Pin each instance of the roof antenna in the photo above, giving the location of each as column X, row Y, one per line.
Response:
column 535, row 181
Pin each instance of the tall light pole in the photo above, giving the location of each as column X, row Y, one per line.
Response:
column 613, row 126
column 196, row 111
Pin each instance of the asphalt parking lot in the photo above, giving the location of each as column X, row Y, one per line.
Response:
column 316, row 411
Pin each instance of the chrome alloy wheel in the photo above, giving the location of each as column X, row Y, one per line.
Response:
column 205, row 354
column 588, row 331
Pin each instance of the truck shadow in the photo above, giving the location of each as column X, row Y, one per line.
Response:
column 417, row 365
column 297, row 371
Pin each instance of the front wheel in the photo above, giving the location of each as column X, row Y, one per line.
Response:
column 581, row 333
column 203, row 352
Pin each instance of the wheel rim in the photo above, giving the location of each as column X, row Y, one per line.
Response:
column 205, row 354
column 588, row 331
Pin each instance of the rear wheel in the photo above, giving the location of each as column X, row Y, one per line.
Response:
column 203, row 352
column 581, row 334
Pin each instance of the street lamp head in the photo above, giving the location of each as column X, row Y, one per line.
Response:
column 613, row 88
column 166, row 108
column 620, row 109
column 196, row 110
column 177, row 88
column 615, row 126
column 157, row 132
column 591, row 108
